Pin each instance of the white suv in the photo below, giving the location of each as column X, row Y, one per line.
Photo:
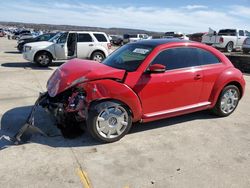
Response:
column 74, row 44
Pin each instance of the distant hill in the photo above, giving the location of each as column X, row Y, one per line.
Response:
column 52, row 27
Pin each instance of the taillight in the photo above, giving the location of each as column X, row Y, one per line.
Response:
column 221, row 40
column 109, row 46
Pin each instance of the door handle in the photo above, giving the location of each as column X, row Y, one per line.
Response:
column 91, row 44
column 197, row 77
column 62, row 45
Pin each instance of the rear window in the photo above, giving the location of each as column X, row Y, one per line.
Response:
column 100, row 37
column 84, row 37
column 227, row 32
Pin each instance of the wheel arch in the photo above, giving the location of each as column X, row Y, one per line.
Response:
column 226, row 79
column 110, row 90
column 97, row 50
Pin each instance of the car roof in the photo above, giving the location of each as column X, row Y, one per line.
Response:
column 157, row 42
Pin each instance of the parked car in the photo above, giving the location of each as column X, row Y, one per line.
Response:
column 18, row 33
column 141, row 82
column 116, row 40
column 25, row 36
column 74, row 44
column 44, row 37
column 127, row 38
column 2, row 33
column 226, row 39
column 246, row 46
column 197, row 37
column 173, row 34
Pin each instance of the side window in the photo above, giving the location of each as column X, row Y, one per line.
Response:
column 84, row 37
column 241, row 33
column 100, row 37
column 177, row 58
column 207, row 58
column 63, row 38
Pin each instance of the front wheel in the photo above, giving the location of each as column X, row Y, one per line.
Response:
column 227, row 101
column 43, row 59
column 109, row 121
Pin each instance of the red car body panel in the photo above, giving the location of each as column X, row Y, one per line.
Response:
column 77, row 71
column 152, row 96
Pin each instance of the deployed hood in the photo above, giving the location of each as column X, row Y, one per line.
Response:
column 78, row 71
column 40, row 44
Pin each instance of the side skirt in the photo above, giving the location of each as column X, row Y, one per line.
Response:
column 176, row 111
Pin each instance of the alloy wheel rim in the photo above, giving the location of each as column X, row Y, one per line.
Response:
column 230, row 47
column 229, row 101
column 43, row 59
column 112, row 122
column 98, row 58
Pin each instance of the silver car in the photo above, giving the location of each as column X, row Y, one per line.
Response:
column 246, row 46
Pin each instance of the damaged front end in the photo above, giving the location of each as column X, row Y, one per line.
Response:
column 68, row 108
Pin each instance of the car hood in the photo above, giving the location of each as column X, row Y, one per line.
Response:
column 39, row 44
column 78, row 71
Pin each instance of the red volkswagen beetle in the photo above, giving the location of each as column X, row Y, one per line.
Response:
column 141, row 82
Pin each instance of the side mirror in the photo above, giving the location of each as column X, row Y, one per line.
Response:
column 156, row 68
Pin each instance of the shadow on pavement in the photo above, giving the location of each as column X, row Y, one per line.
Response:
column 28, row 65
column 13, row 120
column 12, row 52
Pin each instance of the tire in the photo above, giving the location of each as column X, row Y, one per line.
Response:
column 109, row 121
column 245, row 51
column 227, row 101
column 20, row 48
column 97, row 56
column 43, row 59
column 229, row 47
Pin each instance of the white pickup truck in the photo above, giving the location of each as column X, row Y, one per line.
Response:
column 226, row 39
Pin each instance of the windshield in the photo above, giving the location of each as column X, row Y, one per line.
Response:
column 128, row 57
column 55, row 37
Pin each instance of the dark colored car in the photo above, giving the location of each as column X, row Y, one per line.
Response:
column 246, row 46
column 44, row 37
column 116, row 40
column 197, row 37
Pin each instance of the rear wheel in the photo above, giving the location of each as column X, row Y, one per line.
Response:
column 98, row 56
column 245, row 51
column 43, row 59
column 227, row 101
column 230, row 46
column 109, row 121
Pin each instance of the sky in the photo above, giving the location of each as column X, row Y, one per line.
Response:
column 153, row 15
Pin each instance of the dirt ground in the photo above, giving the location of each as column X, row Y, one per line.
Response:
column 195, row 150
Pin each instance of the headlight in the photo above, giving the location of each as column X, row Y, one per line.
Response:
column 53, row 83
column 27, row 48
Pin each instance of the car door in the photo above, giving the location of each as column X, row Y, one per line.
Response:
column 179, row 87
column 241, row 37
column 61, row 50
column 85, row 44
column 212, row 68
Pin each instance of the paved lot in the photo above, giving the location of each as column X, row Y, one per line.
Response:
column 196, row 150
